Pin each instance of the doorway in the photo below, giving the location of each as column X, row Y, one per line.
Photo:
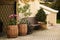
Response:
column 6, row 8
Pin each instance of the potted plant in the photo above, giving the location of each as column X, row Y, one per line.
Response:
column 23, row 27
column 41, row 18
column 12, row 29
column 23, row 21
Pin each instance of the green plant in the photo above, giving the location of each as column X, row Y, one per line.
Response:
column 56, row 6
column 25, row 11
column 23, row 21
column 12, row 19
column 41, row 16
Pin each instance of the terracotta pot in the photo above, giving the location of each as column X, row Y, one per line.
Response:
column 42, row 25
column 22, row 29
column 12, row 31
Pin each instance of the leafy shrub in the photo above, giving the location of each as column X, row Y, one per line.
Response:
column 41, row 16
column 56, row 6
column 26, row 12
column 23, row 21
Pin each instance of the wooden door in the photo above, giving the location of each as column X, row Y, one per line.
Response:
column 6, row 8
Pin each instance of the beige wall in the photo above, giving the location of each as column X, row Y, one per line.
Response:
column 34, row 6
column 51, row 13
column 51, row 19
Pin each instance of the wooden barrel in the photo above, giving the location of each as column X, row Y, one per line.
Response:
column 43, row 26
column 12, row 31
column 22, row 29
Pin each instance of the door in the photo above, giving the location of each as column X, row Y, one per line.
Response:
column 6, row 8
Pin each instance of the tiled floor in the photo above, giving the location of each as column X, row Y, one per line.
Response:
column 49, row 34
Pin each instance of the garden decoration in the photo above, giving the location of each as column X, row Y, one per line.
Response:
column 12, row 29
column 23, row 21
column 41, row 18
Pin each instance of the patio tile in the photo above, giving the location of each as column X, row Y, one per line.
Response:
column 49, row 34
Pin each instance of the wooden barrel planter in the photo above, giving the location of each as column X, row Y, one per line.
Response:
column 12, row 31
column 43, row 25
column 22, row 29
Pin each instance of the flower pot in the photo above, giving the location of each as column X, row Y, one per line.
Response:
column 22, row 29
column 42, row 25
column 12, row 31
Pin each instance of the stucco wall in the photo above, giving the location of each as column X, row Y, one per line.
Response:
column 51, row 19
column 35, row 6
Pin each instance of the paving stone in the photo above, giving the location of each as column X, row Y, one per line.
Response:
column 49, row 34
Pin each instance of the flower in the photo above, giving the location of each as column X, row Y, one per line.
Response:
column 12, row 15
column 12, row 19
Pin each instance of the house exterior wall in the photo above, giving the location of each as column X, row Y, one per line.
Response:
column 51, row 19
column 35, row 6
